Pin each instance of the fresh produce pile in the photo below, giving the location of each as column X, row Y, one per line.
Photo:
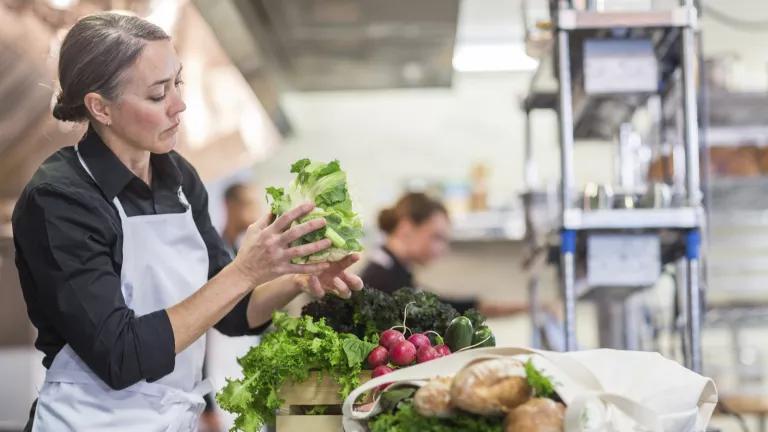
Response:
column 317, row 341
column 369, row 312
column 324, row 184
column 297, row 346
column 411, row 326
column 498, row 395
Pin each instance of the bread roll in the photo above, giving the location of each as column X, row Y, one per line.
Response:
column 433, row 399
column 536, row 415
column 490, row 387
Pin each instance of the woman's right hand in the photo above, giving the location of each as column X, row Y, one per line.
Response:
column 266, row 251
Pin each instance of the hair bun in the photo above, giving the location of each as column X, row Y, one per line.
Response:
column 68, row 113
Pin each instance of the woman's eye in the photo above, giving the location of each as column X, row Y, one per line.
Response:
column 179, row 83
column 157, row 98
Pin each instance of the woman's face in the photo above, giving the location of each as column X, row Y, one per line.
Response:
column 147, row 113
column 429, row 240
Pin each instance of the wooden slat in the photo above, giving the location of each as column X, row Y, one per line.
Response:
column 314, row 391
column 315, row 423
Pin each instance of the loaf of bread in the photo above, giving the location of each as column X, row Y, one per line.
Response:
column 491, row 387
column 433, row 399
column 536, row 415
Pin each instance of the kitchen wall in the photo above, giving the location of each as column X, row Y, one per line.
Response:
column 384, row 138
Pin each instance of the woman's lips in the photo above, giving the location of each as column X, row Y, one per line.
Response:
column 171, row 130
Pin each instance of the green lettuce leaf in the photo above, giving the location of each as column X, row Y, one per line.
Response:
column 324, row 184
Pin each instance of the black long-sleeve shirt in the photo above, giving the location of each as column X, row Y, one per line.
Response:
column 385, row 272
column 68, row 239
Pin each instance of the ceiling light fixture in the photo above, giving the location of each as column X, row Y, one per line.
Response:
column 492, row 57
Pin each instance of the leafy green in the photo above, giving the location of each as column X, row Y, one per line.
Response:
column 406, row 419
column 391, row 399
column 370, row 311
column 478, row 319
column 317, row 410
column 542, row 386
column 288, row 354
column 427, row 312
column 356, row 350
column 324, row 184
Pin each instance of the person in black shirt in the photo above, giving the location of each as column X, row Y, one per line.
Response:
column 417, row 232
column 120, row 267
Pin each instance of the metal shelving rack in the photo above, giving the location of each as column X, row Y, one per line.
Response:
column 574, row 107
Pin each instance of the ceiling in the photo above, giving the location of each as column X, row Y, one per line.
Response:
column 347, row 44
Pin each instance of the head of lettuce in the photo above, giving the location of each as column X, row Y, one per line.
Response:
column 324, row 184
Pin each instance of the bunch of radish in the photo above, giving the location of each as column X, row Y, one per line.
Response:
column 395, row 350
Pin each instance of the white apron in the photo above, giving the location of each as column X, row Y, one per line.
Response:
column 164, row 261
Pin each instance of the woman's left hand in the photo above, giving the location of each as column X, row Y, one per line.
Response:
column 336, row 279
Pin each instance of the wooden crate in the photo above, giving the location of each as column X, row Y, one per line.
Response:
column 309, row 393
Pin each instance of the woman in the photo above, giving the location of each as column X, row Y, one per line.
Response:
column 417, row 233
column 121, row 269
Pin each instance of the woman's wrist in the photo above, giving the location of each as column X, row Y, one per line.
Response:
column 244, row 278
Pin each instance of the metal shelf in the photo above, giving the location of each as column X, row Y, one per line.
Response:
column 571, row 19
column 672, row 218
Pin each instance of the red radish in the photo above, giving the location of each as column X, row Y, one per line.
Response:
column 419, row 340
column 390, row 338
column 427, row 353
column 443, row 350
column 403, row 354
column 378, row 356
column 380, row 370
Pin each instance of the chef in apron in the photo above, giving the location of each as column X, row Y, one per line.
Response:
column 121, row 269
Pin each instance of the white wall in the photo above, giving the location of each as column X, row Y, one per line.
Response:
column 750, row 72
column 384, row 138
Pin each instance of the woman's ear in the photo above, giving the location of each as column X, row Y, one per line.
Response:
column 98, row 107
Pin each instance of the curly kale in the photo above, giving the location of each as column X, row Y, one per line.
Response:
column 371, row 311
column 366, row 313
column 427, row 312
column 478, row 319
column 336, row 311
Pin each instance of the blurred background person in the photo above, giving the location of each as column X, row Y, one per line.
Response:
column 241, row 201
column 417, row 232
column 242, row 206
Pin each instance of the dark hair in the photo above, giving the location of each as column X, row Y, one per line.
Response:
column 415, row 206
column 234, row 192
column 94, row 55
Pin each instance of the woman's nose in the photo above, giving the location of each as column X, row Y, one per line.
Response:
column 177, row 104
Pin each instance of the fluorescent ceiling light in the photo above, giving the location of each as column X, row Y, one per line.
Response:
column 62, row 4
column 164, row 14
column 492, row 57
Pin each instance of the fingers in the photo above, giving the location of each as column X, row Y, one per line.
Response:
column 316, row 287
column 311, row 269
column 288, row 217
column 263, row 221
column 307, row 249
column 348, row 260
column 352, row 280
column 342, row 290
column 299, row 231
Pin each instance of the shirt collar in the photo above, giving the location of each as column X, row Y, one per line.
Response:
column 112, row 176
column 397, row 264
